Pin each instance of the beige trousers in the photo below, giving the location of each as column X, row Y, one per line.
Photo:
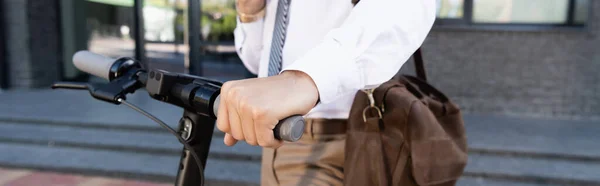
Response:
column 316, row 159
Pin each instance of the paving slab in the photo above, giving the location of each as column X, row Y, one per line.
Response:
column 470, row 181
column 128, row 141
column 534, row 168
column 488, row 132
column 112, row 139
column 23, row 177
column 120, row 163
column 39, row 116
column 78, row 107
column 567, row 137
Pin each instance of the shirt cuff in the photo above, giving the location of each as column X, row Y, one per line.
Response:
column 332, row 69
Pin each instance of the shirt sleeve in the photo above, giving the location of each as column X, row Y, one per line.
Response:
column 368, row 48
column 248, row 43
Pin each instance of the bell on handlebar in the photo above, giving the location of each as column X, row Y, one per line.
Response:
column 122, row 66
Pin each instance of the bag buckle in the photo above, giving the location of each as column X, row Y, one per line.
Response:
column 371, row 105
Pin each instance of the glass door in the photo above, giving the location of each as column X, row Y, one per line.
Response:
column 189, row 36
column 100, row 26
column 219, row 58
column 164, row 31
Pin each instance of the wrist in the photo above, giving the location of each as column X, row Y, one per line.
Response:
column 247, row 16
column 304, row 83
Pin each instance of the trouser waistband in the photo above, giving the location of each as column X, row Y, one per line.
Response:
column 325, row 126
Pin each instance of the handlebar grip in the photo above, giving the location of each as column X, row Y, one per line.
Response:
column 95, row 64
column 289, row 129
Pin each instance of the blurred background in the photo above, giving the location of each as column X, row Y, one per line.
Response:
column 524, row 72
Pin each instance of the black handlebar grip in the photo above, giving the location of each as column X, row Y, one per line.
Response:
column 289, row 129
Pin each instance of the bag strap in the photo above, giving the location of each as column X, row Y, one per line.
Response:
column 419, row 65
column 426, row 88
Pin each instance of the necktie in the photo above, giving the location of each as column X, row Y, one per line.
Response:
column 281, row 20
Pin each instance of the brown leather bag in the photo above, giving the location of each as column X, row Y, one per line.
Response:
column 405, row 132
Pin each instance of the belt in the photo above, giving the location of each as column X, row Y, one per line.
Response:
column 325, row 126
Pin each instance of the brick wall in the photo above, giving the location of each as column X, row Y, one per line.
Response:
column 550, row 74
column 33, row 42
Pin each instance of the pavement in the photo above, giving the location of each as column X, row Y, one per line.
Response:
column 66, row 134
column 22, row 177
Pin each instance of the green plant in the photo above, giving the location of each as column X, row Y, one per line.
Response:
column 221, row 28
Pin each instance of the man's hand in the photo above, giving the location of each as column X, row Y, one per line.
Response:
column 250, row 109
column 250, row 6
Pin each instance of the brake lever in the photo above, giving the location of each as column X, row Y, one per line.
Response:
column 70, row 85
column 109, row 92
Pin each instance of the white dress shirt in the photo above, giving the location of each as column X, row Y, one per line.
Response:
column 341, row 47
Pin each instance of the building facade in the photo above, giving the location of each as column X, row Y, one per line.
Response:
column 541, row 72
column 32, row 43
column 544, row 70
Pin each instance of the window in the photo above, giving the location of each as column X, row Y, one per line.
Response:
column 450, row 9
column 218, row 20
column 220, row 60
column 582, row 11
column 100, row 26
column 513, row 13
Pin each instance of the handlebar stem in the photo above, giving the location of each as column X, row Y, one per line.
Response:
column 193, row 94
column 200, row 139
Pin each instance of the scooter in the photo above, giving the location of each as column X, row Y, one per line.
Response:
column 198, row 96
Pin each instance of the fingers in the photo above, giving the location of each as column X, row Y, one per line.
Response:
column 223, row 121
column 265, row 136
column 223, row 115
column 248, row 124
column 229, row 140
column 235, row 123
column 243, row 118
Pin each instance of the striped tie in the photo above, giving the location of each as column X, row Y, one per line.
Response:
column 281, row 20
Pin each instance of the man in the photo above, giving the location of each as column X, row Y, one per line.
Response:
column 330, row 50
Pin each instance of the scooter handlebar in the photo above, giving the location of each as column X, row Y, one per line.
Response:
column 288, row 129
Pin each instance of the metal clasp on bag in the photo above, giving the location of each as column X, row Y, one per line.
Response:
column 371, row 105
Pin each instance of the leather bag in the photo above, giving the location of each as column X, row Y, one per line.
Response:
column 404, row 132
